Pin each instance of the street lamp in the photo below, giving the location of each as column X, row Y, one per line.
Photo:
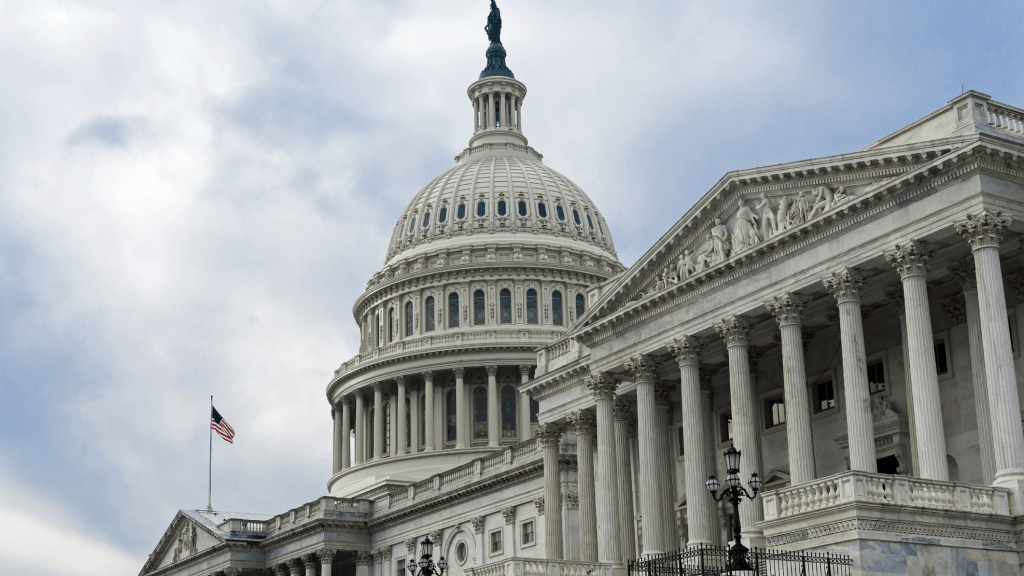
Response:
column 426, row 563
column 734, row 493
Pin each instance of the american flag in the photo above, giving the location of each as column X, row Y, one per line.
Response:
column 221, row 426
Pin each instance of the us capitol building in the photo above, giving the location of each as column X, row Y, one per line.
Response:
column 537, row 409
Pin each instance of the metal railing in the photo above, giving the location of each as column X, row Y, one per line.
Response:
column 704, row 560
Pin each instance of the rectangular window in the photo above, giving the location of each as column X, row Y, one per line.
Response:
column 824, row 396
column 526, row 529
column 876, row 377
column 725, row 427
column 774, row 412
column 679, row 433
column 494, row 540
column 941, row 363
column 400, row 566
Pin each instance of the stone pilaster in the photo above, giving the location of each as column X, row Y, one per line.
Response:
column 583, row 424
column 399, row 442
column 549, row 434
column 788, row 309
column 378, row 420
column 624, row 478
column 911, row 261
column 847, row 287
column 428, row 416
column 642, row 368
column 493, row 427
column 735, row 330
column 461, row 409
column 983, row 232
column 609, row 547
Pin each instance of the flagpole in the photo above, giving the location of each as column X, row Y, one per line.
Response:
column 209, row 491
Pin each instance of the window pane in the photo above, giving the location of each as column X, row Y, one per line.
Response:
column 522, row 208
column 876, row 378
column 444, row 215
column 426, row 219
column 391, row 325
column 430, row 314
column 542, row 210
column 579, row 305
column 940, row 358
column 462, row 211
column 480, row 414
column 481, row 208
column 506, row 306
column 451, row 417
column 531, row 306
column 453, row 310
column 560, row 212
column 508, row 412
column 534, row 409
column 589, row 222
column 408, row 318
column 479, row 305
column 826, row 396
column 527, row 532
column 501, row 207
column 556, row 308
column 576, row 216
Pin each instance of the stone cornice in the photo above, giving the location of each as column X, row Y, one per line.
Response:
column 561, row 378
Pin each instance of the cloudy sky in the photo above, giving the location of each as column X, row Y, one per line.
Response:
column 193, row 193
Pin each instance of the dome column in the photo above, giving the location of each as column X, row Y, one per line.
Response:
column 414, row 418
column 493, row 430
column 360, row 428
column 378, row 420
column 428, row 425
column 399, row 410
column 476, row 115
column 490, row 110
column 504, row 111
column 519, row 114
column 346, row 432
column 460, row 408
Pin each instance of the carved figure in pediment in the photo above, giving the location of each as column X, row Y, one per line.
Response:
column 767, row 216
column 706, row 259
column 685, row 266
column 798, row 211
column 783, row 214
column 822, row 202
column 841, row 197
column 186, row 544
column 744, row 232
column 720, row 241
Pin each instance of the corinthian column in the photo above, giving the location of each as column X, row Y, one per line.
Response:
column 609, row 547
column 666, row 461
column 651, row 504
column 460, row 408
column 983, row 232
column 346, row 432
column 687, row 351
column 583, row 423
column 624, row 479
column 846, row 285
column 549, row 434
column 788, row 309
column 735, row 330
column 493, row 429
column 911, row 261
column 336, row 417
column 378, row 420
column 400, row 411
column 360, row 429
column 964, row 273
column 326, row 559
column 895, row 295
column 707, row 380
column 428, row 424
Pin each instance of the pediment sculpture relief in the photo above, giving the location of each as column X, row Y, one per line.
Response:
column 186, row 542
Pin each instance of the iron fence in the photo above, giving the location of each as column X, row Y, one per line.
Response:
column 704, row 560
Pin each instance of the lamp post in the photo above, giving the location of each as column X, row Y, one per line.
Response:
column 426, row 563
column 734, row 493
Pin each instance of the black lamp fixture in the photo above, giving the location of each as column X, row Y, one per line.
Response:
column 426, row 563
column 734, row 492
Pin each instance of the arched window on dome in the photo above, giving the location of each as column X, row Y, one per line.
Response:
column 508, row 412
column 408, row 319
column 451, row 417
column 542, row 210
column 401, row 232
column 461, row 213
column 412, row 224
column 556, row 308
column 531, row 306
column 391, row 325
column 479, row 308
column 501, row 208
column 534, row 409
column 479, row 413
column 579, row 305
column 453, row 310
column 430, row 313
column 590, row 222
column 426, row 220
column 481, row 209
column 560, row 212
column 443, row 215
column 599, row 227
column 506, row 305
column 576, row 217
column 522, row 208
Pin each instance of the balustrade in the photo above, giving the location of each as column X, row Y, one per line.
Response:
column 532, row 567
column 1006, row 118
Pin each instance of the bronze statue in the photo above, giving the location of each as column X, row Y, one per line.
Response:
column 493, row 27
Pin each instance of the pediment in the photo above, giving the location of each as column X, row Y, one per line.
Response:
column 186, row 537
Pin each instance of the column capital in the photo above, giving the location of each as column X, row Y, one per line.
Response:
column 410, row 546
column 296, row 563
column 436, row 535
column 549, row 433
column 895, row 295
column 955, row 309
column 326, row 555
column 280, row 569
column 427, row 376
column 364, row 558
column 348, row 400
column 459, row 372
column 707, row 375
column 788, row 308
column 509, row 512
column 983, row 229
column 735, row 330
column 378, row 387
column 964, row 273
column 846, row 284
column 602, row 386
column 311, row 560
column 491, row 370
column 524, row 369
column 478, row 524
column 538, row 503
column 622, row 409
column 642, row 366
column 400, row 380
column 687, row 349
column 583, row 422
column 232, row 571
column 911, row 258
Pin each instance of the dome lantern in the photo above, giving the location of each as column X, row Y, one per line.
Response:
column 497, row 96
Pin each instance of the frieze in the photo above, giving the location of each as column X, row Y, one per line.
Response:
column 896, row 527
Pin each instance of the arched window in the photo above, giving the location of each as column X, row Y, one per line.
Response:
column 376, row 329
column 576, row 217
column 430, row 313
column 534, row 409
column 387, row 427
column 522, row 208
column 426, row 220
column 506, row 306
column 412, row 224
column 531, row 306
column 443, row 215
column 401, row 232
column 556, row 308
column 461, row 213
column 408, row 318
column 590, row 222
column 450, row 418
column 501, row 208
column 391, row 325
column 579, row 305
column 542, row 210
column 508, row 412
column 599, row 227
column 453, row 310
column 480, row 413
column 479, row 308
column 560, row 212
column 481, row 209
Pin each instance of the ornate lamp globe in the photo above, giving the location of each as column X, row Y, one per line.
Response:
column 732, row 459
column 712, row 484
column 755, row 482
column 428, row 547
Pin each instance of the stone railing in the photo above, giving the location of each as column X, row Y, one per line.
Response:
column 326, row 507
column 538, row 567
column 884, row 489
column 559, row 353
column 1006, row 118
